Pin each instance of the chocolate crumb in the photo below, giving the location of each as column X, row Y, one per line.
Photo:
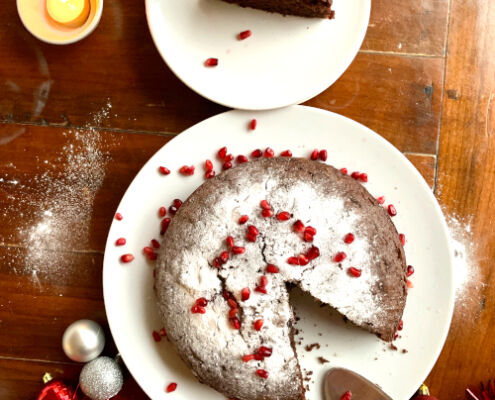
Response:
column 298, row 319
column 393, row 347
column 310, row 347
column 404, row 351
column 320, row 334
column 322, row 360
column 376, row 358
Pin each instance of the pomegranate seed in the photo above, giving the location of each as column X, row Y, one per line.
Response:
column 222, row 153
column 410, row 270
column 171, row 387
column 263, row 280
column 303, row 260
column 235, row 323
column 323, row 155
column 187, row 171
column 172, row 210
column 346, row 396
column 355, row 175
column 126, row 258
column 258, row 324
column 363, row 177
column 211, row 62
column 293, row 261
column 252, row 124
column 391, row 210
column 233, row 312
column 286, row 153
column 208, row 165
column 242, row 159
column 298, row 226
column 349, row 238
column 260, row 289
column 262, row 373
column 381, row 199
column 226, row 295
column 256, row 153
column 195, row 309
column 310, row 230
column 202, row 302
column 247, row 357
column 209, row 174
column 308, row 237
column 250, row 237
column 230, row 241
column 156, row 336
column 410, row 285
column 177, row 203
column 147, row 250
column 396, row 335
column 245, row 293
column 267, row 213
column 272, row 269
column 238, row 250
column 164, row 170
column 232, row 303
column 344, row 171
column 226, row 165
column 119, row 217
column 162, row 211
column 265, row 351
column 152, row 256
column 339, row 257
column 269, row 153
column 402, row 238
column 224, row 256
column 217, row 263
column 201, row 310
column 120, row 242
column 265, row 205
column 401, row 325
column 253, row 230
column 314, row 155
column 244, row 35
column 155, row 243
column 164, row 225
column 228, row 157
column 258, row 356
column 313, row 252
column 163, row 332
column 355, row 272
column 283, row 216
column 243, row 219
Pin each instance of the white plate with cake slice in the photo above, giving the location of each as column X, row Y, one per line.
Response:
column 325, row 339
column 286, row 60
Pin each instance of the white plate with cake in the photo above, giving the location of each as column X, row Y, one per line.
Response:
column 273, row 235
column 248, row 58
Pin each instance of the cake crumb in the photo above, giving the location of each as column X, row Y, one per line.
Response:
column 310, row 347
column 404, row 351
column 393, row 347
column 322, row 360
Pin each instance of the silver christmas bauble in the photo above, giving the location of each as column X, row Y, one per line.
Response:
column 101, row 379
column 83, row 340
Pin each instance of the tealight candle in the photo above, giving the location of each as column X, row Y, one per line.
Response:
column 71, row 13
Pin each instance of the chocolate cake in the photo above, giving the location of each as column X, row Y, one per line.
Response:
column 302, row 8
column 222, row 281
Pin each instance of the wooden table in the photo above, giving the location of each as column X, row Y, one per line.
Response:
column 79, row 121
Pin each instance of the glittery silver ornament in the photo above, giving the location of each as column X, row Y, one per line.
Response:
column 83, row 340
column 101, row 379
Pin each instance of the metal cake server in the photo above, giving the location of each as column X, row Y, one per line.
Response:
column 339, row 380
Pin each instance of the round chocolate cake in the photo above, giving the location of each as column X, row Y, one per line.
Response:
column 241, row 238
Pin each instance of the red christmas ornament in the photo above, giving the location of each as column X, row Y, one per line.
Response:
column 55, row 389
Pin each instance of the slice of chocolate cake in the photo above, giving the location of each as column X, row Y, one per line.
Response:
column 302, row 8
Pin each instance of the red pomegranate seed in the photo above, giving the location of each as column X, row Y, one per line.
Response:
column 283, row 216
column 265, row 351
column 164, row 225
column 244, row 35
column 308, row 237
column 286, row 153
column 313, row 252
column 126, row 258
column 396, row 335
column 202, row 310
column 265, row 205
column 391, row 210
column 253, row 230
column 232, row 303
column 226, row 165
column 155, row 243
column 258, row 356
column 211, row 62
column 402, row 238
column 187, row 171
column 339, row 257
column 233, row 312
column 226, row 295
column 156, row 336
column 260, row 289
column 245, row 293
column 224, row 256
column 164, row 170
column 119, row 217
column 162, row 211
column 171, row 387
column 314, row 155
column 310, row 230
column 267, row 213
column 238, row 250
column 163, row 332
column 303, row 259
column 263, row 280
column 298, row 226
column 349, row 238
column 272, row 269
column 208, row 165
column 217, row 263
column 152, row 257
column 355, row 272
column 253, row 124
column 262, row 373
column 202, row 302
column 410, row 285
column 177, row 203
column 250, row 237
column 228, row 157
column 222, row 153
column 410, row 270
column 247, row 357
column 323, row 155
column 269, row 153
column 258, row 324
column 120, row 242
column 346, row 396
column 256, row 153
column 401, row 325
column 172, row 210
column 235, row 323
column 363, row 177
column 230, row 241
column 293, row 261
column 355, row 175
column 243, row 219
column 241, row 159
column 147, row 250
column 209, row 174
column 344, row 171
column 381, row 199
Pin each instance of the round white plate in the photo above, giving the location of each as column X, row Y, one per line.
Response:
column 287, row 60
column 128, row 292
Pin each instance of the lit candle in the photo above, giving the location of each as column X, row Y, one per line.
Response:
column 72, row 13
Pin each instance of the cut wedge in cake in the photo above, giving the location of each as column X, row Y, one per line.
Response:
column 302, row 8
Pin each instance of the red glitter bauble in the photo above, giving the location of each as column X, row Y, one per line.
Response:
column 56, row 390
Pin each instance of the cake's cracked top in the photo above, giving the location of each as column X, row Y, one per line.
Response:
column 191, row 267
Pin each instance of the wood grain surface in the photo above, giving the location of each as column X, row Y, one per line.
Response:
column 78, row 122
